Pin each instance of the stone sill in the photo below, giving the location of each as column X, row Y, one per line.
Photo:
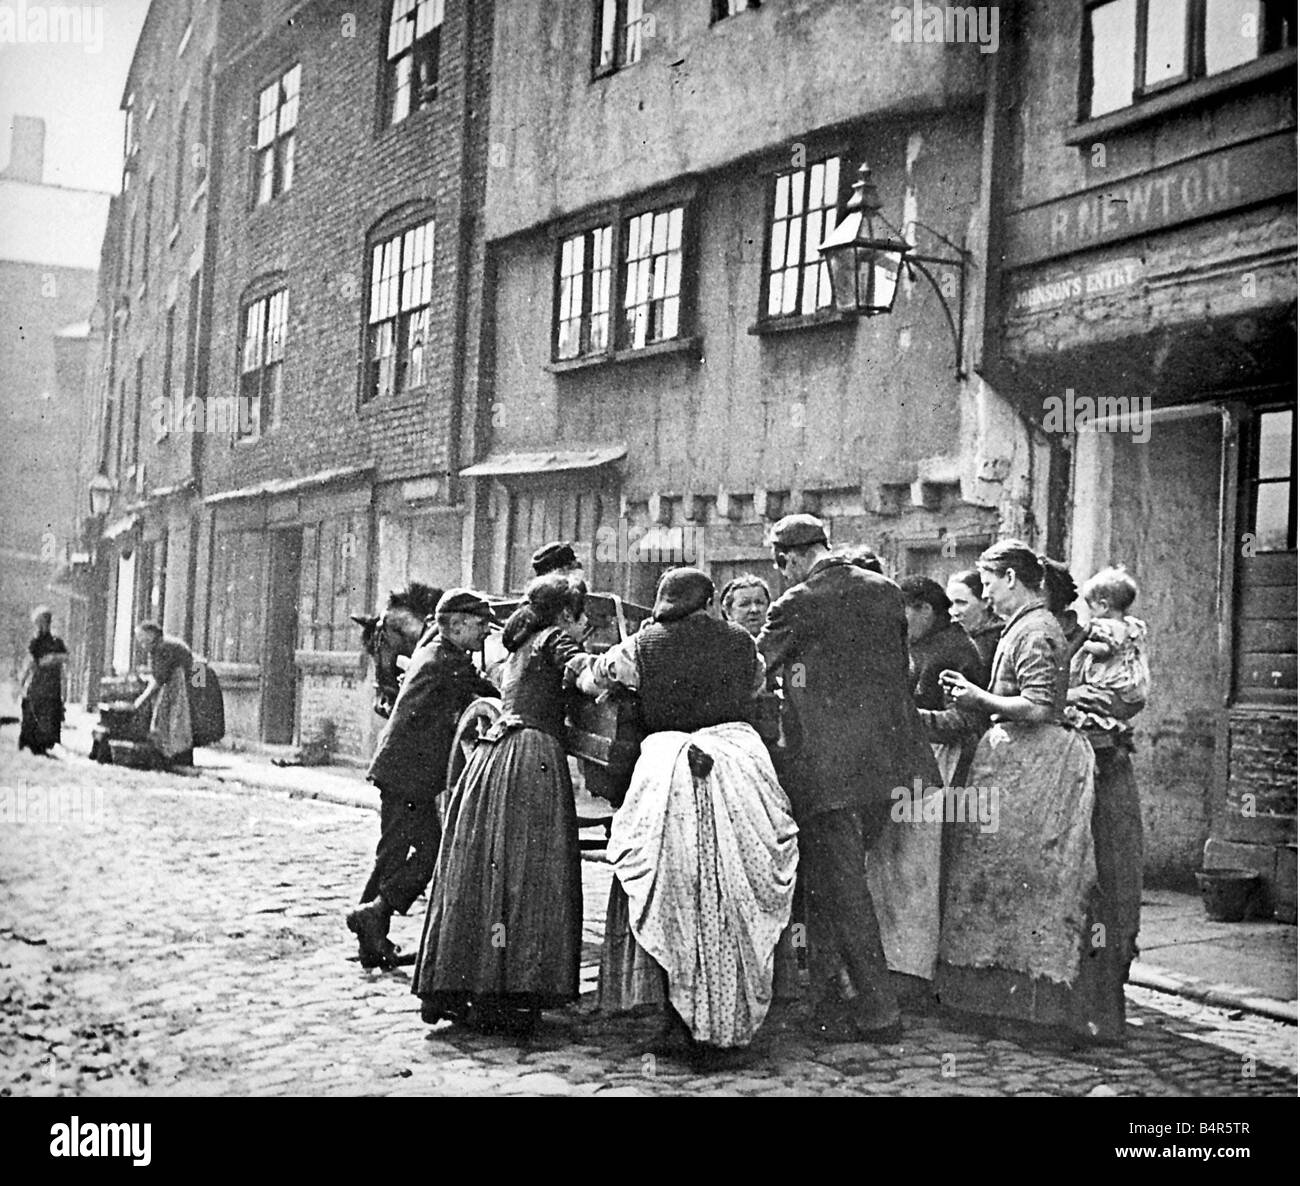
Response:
column 687, row 346
column 237, row 675
column 784, row 325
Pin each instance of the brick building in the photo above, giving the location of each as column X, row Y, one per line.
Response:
column 1146, row 215
column 49, row 252
column 150, row 326
column 350, row 145
column 665, row 374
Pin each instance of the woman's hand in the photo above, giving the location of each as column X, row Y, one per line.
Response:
column 960, row 690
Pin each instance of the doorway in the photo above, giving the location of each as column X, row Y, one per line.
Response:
column 280, row 676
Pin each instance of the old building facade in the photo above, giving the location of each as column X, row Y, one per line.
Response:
column 1146, row 230
column 352, row 144
column 665, row 375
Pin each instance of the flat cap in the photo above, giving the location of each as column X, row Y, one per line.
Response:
column 550, row 557
column 795, row 531
column 464, row 601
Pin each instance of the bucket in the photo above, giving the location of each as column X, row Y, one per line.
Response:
column 1227, row 893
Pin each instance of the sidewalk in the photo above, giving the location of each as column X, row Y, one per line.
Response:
column 1248, row 966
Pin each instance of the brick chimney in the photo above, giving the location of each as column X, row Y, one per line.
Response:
column 26, row 150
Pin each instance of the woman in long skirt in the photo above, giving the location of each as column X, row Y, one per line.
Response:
column 1017, row 937
column 503, row 934
column 42, row 707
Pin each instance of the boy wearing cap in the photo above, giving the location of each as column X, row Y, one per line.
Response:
column 410, row 766
column 839, row 635
column 555, row 557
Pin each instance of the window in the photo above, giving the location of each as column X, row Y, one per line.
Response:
column 139, row 404
column 261, row 364
column 235, row 597
column 148, row 234
column 725, row 8
column 190, row 378
column 333, row 580
column 273, row 146
column 182, row 151
column 1133, row 48
column 620, row 25
column 585, row 271
column 805, row 207
column 640, row 258
column 169, row 352
column 411, row 67
column 397, row 327
column 1271, row 481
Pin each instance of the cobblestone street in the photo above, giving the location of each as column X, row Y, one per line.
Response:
column 167, row 935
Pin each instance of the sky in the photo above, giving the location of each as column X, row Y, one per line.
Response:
column 75, row 87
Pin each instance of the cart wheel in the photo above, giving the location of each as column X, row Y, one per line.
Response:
column 474, row 722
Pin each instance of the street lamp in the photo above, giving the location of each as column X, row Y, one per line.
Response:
column 866, row 256
column 102, row 489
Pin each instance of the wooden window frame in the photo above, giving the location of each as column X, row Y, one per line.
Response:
column 617, row 218
column 1270, row 40
column 423, row 50
column 395, row 231
column 281, row 149
column 621, row 52
column 268, row 387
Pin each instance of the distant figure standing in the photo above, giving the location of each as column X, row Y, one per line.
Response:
column 42, row 687
column 170, row 664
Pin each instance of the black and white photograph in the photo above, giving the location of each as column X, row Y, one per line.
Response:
column 649, row 548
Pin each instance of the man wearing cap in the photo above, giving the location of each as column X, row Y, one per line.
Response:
column 555, row 557
column 839, row 638
column 410, row 766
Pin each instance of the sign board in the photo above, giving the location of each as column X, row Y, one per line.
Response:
column 1212, row 183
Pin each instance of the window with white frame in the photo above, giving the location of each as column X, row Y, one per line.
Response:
column 1135, row 48
column 275, row 136
column 621, row 26
column 261, row 362
column 725, row 8
column 411, row 60
column 804, row 208
column 633, row 259
column 397, row 325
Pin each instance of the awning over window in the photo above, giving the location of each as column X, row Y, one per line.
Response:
column 292, row 485
column 503, row 465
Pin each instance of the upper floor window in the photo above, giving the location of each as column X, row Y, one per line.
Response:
column 805, row 205
column 182, row 154
column 411, row 67
column 636, row 260
column 725, row 8
column 273, row 145
column 397, row 325
column 620, row 26
column 1134, row 48
column 261, row 362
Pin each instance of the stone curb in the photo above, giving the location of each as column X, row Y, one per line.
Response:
column 1225, row 996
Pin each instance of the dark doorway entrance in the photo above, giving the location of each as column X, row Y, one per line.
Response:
column 280, row 677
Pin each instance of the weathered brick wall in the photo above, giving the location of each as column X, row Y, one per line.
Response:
column 349, row 173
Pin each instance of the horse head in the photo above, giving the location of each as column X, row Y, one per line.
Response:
column 393, row 635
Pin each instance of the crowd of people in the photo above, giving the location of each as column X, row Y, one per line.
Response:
column 739, row 857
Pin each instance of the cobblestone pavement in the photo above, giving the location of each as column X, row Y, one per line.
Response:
column 166, row 935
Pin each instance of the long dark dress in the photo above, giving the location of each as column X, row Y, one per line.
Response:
column 504, row 925
column 42, row 708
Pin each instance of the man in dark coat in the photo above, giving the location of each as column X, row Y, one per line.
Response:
column 410, row 766
column 839, row 636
